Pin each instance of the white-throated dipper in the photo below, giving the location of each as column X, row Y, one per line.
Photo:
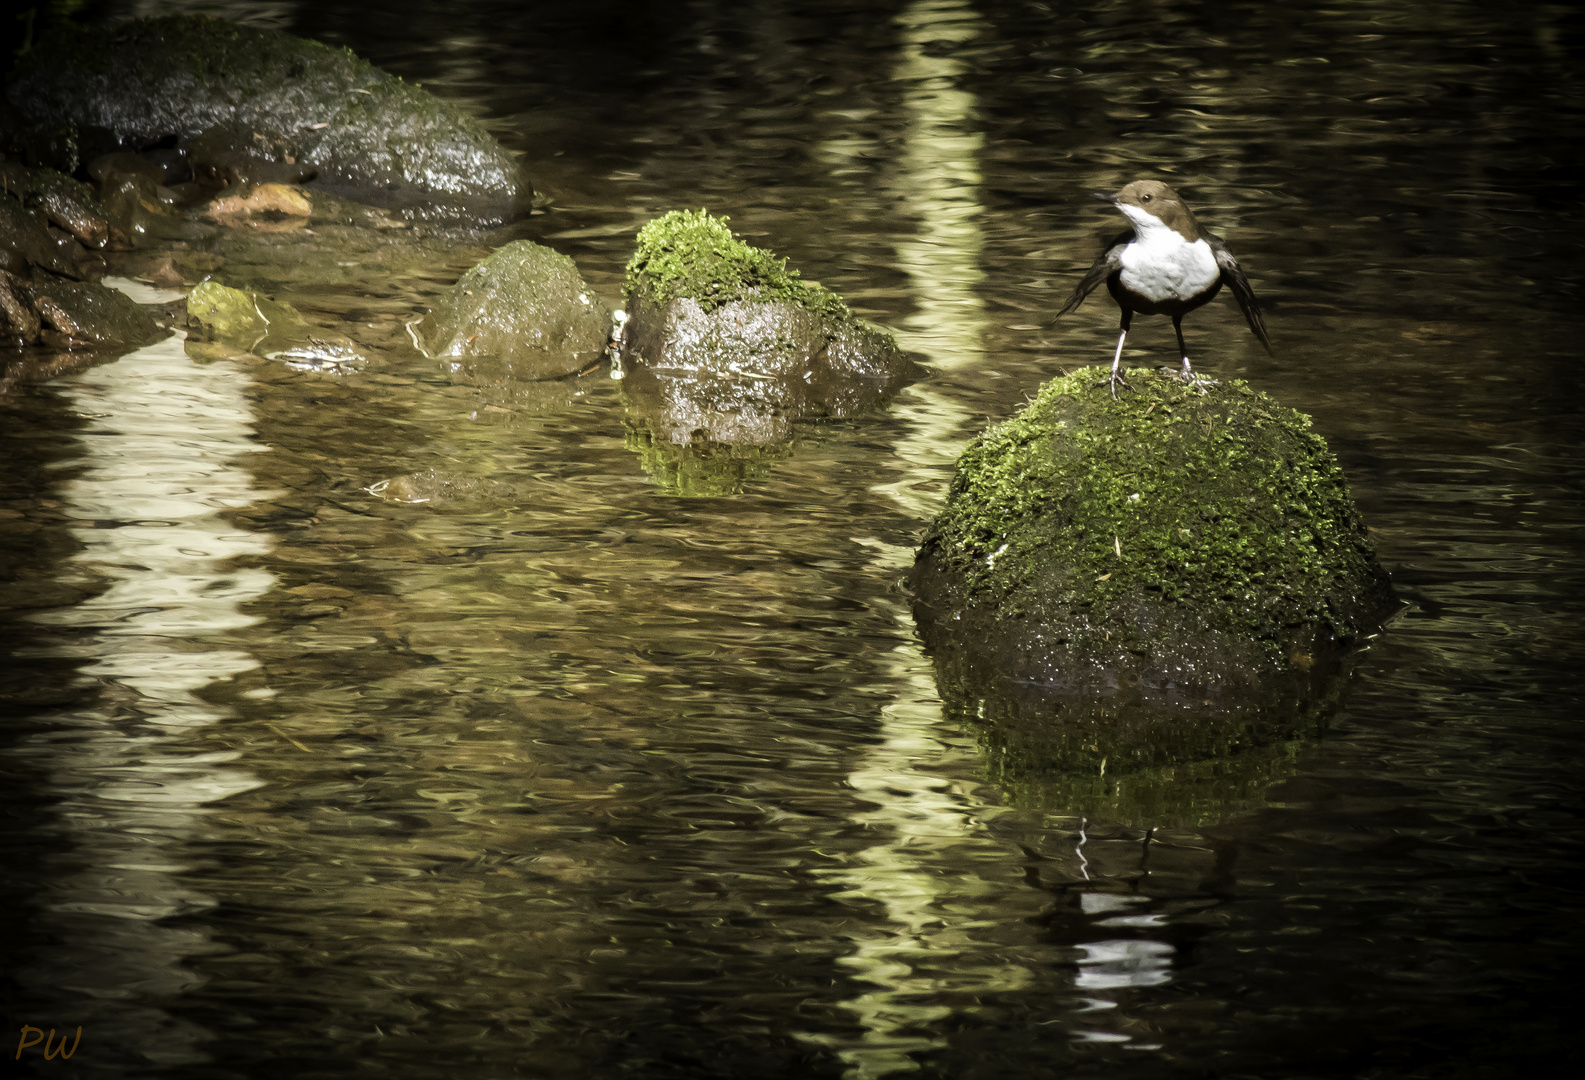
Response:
column 1165, row 265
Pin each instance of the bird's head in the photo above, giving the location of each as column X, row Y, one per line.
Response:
column 1150, row 204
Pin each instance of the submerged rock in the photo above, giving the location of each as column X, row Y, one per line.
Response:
column 254, row 323
column 240, row 96
column 436, row 488
column 526, row 310
column 725, row 345
column 1132, row 584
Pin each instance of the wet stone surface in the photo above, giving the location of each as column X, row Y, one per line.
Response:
column 260, row 105
column 524, row 311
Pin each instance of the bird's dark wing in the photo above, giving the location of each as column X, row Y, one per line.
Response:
column 1106, row 264
column 1233, row 277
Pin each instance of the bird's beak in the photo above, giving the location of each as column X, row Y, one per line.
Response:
column 1104, row 197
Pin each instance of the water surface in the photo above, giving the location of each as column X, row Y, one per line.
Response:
column 590, row 772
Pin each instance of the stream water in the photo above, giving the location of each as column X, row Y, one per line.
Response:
column 602, row 767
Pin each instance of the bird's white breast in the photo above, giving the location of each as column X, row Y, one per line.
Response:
column 1161, row 265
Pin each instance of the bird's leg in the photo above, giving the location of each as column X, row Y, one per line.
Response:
column 1116, row 378
column 1188, row 376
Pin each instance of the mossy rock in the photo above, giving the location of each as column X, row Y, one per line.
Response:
column 526, row 308
column 271, row 96
column 1117, row 589
column 728, row 330
column 254, row 323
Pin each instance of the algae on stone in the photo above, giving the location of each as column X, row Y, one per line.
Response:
column 272, row 96
column 1121, row 524
column 526, row 307
column 267, row 328
column 1118, row 591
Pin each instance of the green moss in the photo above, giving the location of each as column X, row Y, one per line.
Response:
column 689, row 253
column 1227, row 503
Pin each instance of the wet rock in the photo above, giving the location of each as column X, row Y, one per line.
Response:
column 136, row 209
column 526, row 307
column 723, row 343
column 255, row 323
column 27, row 242
column 273, row 99
column 111, row 169
column 69, row 205
column 1190, row 568
column 1144, row 606
column 1089, row 762
column 71, row 314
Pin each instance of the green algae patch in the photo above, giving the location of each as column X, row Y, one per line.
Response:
column 1117, row 587
column 254, row 323
column 689, row 253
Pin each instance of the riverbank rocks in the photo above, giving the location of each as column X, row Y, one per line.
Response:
column 26, row 244
column 71, row 315
column 523, row 313
column 275, row 331
column 724, row 345
column 1136, row 582
column 266, row 106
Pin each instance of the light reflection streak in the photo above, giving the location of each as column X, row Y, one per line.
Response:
column 922, row 955
column 159, row 467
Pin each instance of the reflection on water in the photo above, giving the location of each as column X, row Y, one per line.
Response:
column 159, row 467
column 528, row 768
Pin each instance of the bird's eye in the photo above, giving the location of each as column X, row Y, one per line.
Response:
column 1144, row 198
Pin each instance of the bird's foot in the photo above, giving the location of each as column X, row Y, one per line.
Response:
column 1114, row 380
column 1190, row 379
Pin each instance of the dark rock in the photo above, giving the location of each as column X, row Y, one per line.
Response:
column 526, row 308
column 724, row 345
column 72, row 314
column 68, row 204
column 137, row 212
column 272, row 97
column 26, row 242
column 110, row 169
column 1161, row 578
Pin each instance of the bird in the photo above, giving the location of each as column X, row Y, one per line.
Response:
column 1165, row 265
